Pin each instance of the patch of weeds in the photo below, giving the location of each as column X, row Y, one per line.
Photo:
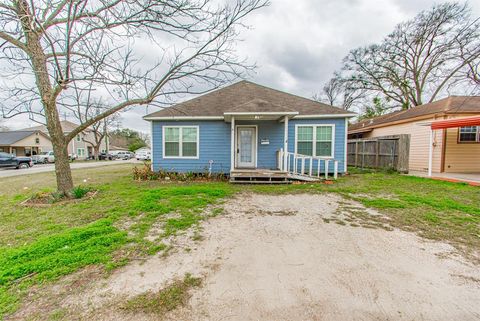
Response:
column 382, row 203
column 216, row 211
column 57, row 315
column 326, row 220
column 188, row 201
column 197, row 236
column 155, row 248
column 80, row 191
column 358, row 216
column 170, row 298
column 50, row 257
column 431, row 217
column 9, row 301
column 277, row 213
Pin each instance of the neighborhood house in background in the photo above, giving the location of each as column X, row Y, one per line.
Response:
column 24, row 142
column 454, row 149
column 249, row 126
column 35, row 140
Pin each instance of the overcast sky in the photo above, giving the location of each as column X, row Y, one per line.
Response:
column 298, row 44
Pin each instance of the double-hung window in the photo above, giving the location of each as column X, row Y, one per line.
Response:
column 180, row 141
column 315, row 140
column 469, row 134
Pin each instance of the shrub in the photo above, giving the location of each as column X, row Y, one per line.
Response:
column 146, row 173
column 79, row 191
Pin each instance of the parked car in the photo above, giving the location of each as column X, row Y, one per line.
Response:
column 49, row 157
column 44, row 157
column 143, row 155
column 105, row 156
column 123, row 155
column 10, row 160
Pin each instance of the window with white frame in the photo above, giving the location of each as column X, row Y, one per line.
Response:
column 315, row 140
column 180, row 141
column 469, row 134
column 80, row 152
column 79, row 139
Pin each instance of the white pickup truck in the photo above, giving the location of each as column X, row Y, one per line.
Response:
column 49, row 157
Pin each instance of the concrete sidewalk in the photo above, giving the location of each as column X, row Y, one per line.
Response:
column 470, row 178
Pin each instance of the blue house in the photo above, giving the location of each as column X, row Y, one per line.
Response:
column 252, row 133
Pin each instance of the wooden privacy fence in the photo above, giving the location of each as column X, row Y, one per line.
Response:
column 388, row 152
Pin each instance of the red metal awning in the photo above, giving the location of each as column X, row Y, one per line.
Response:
column 457, row 122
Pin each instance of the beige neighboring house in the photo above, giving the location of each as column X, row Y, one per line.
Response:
column 24, row 142
column 454, row 150
column 80, row 145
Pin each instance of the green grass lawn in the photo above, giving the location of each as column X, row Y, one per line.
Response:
column 39, row 245
column 42, row 244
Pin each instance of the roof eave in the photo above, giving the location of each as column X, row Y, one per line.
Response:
column 180, row 118
column 319, row 116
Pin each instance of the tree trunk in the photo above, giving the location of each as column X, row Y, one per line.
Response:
column 48, row 98
column 96, row 150
column 62, row 166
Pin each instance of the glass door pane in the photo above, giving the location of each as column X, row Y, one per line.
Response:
column 246, row 146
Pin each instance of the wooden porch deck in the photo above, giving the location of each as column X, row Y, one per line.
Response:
column 266, row 176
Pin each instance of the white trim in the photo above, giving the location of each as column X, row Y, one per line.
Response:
column 261, row 113
column 323, row 116
column 314, row 141
column 180, row 147
column 294, row 114
column 256, row 144
column 346, row 146
column 82, row 153
column 477, row 134
column 285, row 144
column 184, row 118
column 232, row 144
column 430, row 153
column 151, row 145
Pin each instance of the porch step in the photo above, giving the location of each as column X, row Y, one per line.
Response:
column 259, row 182
column 305, row 178
column 267, row 177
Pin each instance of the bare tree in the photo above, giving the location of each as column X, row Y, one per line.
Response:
column 51, row 47
column 421, row 59
column 473, row 72
column 341, row 93
column 83, row 105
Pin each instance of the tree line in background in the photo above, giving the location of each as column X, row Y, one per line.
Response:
column 128, row 138
column 435, row 54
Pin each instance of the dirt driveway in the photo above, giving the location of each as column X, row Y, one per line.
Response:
column 295, row 257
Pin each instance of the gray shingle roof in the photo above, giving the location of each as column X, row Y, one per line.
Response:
column 246, row 96
column 67, row 127
column 450, row 105
column 11, row 137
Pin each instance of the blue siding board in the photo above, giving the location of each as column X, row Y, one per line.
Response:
column 339, row 147
column 215, row 144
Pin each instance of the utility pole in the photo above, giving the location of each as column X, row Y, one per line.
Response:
column 105, row 129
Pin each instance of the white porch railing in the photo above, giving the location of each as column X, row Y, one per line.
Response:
column 299, row 164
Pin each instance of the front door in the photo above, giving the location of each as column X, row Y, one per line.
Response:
column 246, row 146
